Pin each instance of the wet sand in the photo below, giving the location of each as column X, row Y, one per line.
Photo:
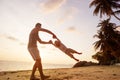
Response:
column 81, row 73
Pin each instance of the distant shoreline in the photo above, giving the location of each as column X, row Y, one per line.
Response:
column 19, row 65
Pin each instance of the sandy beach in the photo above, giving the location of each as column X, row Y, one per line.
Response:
column 81, row 73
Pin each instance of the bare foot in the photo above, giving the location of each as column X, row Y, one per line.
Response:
column 45, row 77
column 77, row 60
column 79, row 53
column 34, row 78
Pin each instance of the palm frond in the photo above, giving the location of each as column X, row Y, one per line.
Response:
column 95, row 36
column 96, row 11
column 105, row 7
column 117, row 12
column 97, row 44
column 93, row 3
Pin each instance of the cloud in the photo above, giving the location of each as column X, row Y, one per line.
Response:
column 22, row 44
column 72, row 29
column 51, row 5
column 69, row 14
column 16, row 40
column 12, row 39
column 9, row 37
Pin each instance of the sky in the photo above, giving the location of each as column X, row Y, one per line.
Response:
column 71, row 20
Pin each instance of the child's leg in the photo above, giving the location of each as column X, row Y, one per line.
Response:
column 73, row 51
column 75, row 59
column 70, row 55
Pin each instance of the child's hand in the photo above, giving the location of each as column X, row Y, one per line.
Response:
column 50, row 42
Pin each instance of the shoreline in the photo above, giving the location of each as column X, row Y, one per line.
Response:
column 79, row 73
column 15, row 65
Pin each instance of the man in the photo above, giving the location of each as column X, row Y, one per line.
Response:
column 33, row 50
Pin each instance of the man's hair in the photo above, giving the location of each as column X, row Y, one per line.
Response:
column 38, row 24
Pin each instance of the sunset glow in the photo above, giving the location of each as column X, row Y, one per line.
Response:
column 71, row 20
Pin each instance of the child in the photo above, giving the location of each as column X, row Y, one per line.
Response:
column 57, row 43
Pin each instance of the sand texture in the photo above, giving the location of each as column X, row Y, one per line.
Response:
column 81, row 73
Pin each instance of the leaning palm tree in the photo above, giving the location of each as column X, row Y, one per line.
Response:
column 106, row 7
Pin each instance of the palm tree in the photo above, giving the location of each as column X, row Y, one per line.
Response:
column 104, row 58
column 101, row 44
column 108, row 43
column 105, row 35
column 106, row 7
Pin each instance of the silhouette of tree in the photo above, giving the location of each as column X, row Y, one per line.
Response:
column 108, row 43
column 104, row 58
column 106, row 7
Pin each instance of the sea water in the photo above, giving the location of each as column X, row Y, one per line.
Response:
column 17, row 65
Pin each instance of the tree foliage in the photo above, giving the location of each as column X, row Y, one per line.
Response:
column 106, row 7
column 108, row 43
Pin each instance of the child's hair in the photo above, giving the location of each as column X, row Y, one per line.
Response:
column 57, row 43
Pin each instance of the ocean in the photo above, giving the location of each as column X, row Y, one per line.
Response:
column 17, row 65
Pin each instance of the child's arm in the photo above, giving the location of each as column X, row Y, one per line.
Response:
column 57, row 38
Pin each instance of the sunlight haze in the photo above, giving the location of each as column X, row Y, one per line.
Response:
column 71, row 20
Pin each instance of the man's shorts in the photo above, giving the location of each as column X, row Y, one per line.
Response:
column 34, row 53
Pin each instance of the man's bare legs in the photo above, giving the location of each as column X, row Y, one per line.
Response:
column 33, row 71
column 39, row 66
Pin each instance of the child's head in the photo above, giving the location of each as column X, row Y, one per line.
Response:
column 57, row 43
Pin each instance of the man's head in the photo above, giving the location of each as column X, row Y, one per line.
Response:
column 38, row 25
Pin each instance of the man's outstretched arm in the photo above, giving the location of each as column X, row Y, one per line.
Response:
column 43, row 42
column 45, row 30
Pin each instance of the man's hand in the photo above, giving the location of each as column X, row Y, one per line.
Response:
column 54, row 36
